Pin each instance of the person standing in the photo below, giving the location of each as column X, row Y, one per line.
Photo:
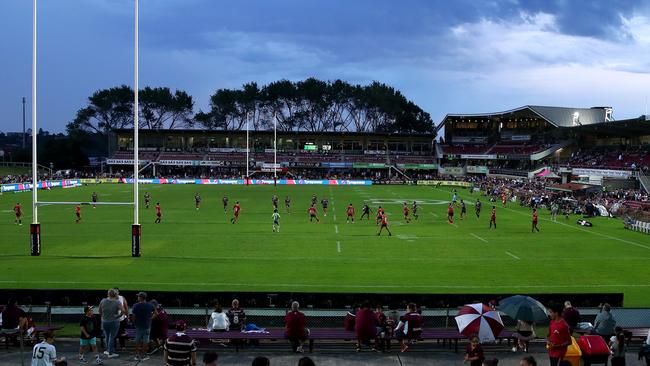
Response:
column 13, row 317
column 493, row 217
column 147, row 199
column 477, row 208
column 77, row 212
column 197, row 200
column 571, row 316
column 295, row 327
column 158, row 213
column 235, row 212
column 110, row 310
column 94, row 199
column 605, row 323
column 415, row 210
column 276, row 221
column 287, row 204
column 384, row 224
column 463, row 209
column 312, row 214
column 124, row 319
column 18, row 210
column 225, row 203
column 365, row 211
column 450, row 214
column 87, row 337
column 349, row 213
column 558, row 339
column 405, row 211
column 535, row 219
column 409, row 327
column 44, row 353
column 180, row 349
column 143, row 312
column 366, row 326
column 618, row 350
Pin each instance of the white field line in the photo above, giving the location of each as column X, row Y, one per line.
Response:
column 587, row 231
column 295, row 285
column 336, row 229
column 478, row 237
column 434, row 214
column 338, row 246
column 512, row 255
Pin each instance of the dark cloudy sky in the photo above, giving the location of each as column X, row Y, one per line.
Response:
column 448, row 56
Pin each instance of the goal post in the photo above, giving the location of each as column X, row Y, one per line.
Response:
column 35, row 226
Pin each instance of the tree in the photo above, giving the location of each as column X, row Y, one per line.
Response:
column 162, row 109
column 107, row 109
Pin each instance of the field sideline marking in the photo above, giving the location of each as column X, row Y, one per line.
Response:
column 478, row 237
column 434, row 214
column 336, row 228
column 512, row 255
column 318, row 285
column 338, row 246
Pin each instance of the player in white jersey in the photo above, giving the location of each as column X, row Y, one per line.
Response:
column 276, row 221
column 44, row 353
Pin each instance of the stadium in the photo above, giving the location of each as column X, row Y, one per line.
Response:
column 319, row 218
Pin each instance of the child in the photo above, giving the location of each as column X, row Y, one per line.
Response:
column 474, row 352
column 87, row 338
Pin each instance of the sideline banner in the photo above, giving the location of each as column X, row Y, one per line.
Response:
column 252, row 181
column 18, row 187
column 443, row 183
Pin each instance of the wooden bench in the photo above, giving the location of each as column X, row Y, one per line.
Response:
column 447, row 336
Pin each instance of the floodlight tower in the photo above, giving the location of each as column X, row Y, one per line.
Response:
column 34, row 227
column 136, row 230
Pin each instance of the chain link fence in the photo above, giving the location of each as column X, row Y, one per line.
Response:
column 197, row 317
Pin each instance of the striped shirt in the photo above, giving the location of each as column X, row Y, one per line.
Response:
column 179, row 349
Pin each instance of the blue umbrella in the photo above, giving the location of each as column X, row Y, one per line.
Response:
column 526, row 308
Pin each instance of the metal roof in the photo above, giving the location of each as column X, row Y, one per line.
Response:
column 557, row 116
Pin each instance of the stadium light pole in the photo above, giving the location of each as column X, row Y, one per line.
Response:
column 247, row 159
column 275, row 148
column 34, row 227
column 23, row 122
column 135, row 228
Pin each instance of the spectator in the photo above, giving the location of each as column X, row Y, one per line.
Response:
column 409, row 327
column 306, row 361
column 143, row 312
column 159, row 325
column 571, row 316
column 88, row 338
column 295, row 325
column 210, row 359
column 525, row 332
column 180, row 349
column 618, row 350
column 384, row 330
column 124, row 319
column 111, row 309
column 236, row 316
column 218, row 321
column 474, row 352
column 558, row 339
column 528, row 361
column 44, row 353
column 605, row 323
column 350, row 319
column 261, row 361
column 366, row 326
column 13, row 317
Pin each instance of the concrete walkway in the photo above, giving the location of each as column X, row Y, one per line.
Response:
column 228, row 357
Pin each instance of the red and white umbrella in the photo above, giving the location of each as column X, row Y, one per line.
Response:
column 479, row 320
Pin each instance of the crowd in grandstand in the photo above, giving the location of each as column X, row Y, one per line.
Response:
column 611, row 158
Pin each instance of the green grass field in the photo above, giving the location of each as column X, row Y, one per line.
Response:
column 202, row 251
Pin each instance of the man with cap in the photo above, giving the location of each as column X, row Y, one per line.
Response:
column 142, row 312
column 180, row 349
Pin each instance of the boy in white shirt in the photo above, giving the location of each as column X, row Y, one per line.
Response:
column 44, row 353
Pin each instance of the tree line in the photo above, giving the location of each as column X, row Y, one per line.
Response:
column 309, row 105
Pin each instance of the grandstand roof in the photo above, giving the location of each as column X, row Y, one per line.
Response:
column 557, row 116
column 623, row 128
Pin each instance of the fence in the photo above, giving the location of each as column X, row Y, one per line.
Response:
column 197, row 317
